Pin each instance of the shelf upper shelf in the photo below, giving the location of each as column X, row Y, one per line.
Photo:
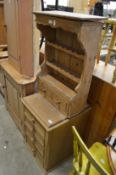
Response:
column 61, row 48
column 63, row 72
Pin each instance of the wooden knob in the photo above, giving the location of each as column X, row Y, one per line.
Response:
column 54, row 23
column 50, row 22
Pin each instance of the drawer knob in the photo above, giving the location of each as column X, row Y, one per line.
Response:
column 57, row 102
column 54, row 23
column 50, row 22
column 32, row 139
column 44, row 90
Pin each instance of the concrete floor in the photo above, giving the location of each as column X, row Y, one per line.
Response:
column 15, row 157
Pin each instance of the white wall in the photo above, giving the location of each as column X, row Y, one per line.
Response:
column 61, row 2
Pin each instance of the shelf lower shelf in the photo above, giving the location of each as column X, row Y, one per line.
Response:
column 63, row 72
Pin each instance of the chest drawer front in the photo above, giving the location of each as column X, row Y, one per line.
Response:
column 34, row 134
column 28, row 122
column 39, row 158
column 35, row 142
column 39, row 148
column 30, row 144
column 29, row 135
column 39, row 129
column 39, row 134
column 29, row 128
column 33, row 125
column 28, row 116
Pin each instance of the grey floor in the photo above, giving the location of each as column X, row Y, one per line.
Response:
column 15, row 157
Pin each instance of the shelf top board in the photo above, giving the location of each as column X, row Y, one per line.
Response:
column 69, row 15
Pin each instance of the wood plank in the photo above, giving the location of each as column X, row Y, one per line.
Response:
column 63, row 71
column 102, row 97
column 61, row 48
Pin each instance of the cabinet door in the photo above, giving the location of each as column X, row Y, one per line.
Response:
column 2, row 83
column 12, row 98
column 2, row 23
column 11, row 18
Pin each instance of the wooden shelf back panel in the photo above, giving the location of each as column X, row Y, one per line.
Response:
column 65, row 61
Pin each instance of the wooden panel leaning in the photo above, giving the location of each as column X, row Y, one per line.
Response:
column 18, row 15
column 71, row 46
column 102, row 98
column 2, row 24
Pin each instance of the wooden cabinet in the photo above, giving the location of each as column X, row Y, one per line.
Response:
column 64, row 82
column 47, row 132
column 15, row 87
column 19, row 22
